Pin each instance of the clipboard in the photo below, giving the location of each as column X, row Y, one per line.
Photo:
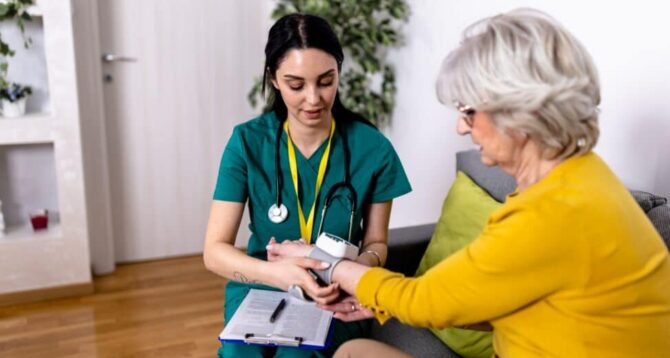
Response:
column 300, row 324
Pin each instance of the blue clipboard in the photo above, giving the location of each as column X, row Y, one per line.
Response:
column 247, row 327
column 281, row 341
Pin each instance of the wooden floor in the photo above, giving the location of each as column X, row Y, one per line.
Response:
column 168, row 308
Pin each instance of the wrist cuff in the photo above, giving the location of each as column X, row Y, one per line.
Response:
column 325, row 275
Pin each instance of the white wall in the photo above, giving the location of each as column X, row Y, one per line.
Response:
column 248, row 23
column 629, row 44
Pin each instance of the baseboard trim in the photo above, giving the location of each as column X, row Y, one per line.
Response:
column 45, row 294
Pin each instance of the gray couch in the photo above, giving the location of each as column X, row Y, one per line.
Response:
column 406, row 247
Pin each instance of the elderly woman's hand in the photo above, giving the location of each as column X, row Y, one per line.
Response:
column 288, row 248
column 348, row 309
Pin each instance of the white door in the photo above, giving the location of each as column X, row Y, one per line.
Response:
column 176, row 76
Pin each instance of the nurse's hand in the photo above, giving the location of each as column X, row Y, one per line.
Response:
column 288, row 248
column 293, row 271
column 348, row 309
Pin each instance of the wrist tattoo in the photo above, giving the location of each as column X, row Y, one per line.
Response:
column 238, row 276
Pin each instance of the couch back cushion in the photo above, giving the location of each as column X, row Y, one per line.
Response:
column 464, row 214
column 648, row 201
column 492, row 179
column 660, row 217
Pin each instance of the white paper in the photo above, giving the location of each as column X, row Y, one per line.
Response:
column 298, row 319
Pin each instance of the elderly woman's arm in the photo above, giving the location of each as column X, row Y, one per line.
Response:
column 506, row 268
column 348, row 274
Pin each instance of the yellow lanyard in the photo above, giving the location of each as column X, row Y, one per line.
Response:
column 307, row 226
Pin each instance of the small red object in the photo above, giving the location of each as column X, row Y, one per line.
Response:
column 40, row 221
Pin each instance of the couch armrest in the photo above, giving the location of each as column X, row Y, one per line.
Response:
column 660, row 218
column 406, row 247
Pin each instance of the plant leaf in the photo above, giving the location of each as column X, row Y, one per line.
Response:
column 4, row 9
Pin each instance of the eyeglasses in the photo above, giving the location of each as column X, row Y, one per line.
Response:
column 467, row 113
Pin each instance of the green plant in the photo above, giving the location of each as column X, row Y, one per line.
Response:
column 14, row 92
column 366, row 29
column 13, row 10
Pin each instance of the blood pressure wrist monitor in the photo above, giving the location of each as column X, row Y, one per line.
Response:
column 331, row 249
column 336, row 246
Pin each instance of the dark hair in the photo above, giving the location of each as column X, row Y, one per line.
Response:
column 302, row 31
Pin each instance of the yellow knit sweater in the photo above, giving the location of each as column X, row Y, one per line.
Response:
column 570, row 267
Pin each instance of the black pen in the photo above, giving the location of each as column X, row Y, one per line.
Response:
column 277, row 311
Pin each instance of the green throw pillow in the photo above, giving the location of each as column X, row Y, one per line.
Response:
column 464, row 214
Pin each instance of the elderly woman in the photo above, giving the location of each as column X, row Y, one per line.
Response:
column 569, row 266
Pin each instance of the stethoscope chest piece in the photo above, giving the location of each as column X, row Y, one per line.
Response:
column 277, row 214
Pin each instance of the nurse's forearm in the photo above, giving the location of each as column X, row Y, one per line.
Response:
column 225, row 260
column 373, row 254
column 220, row 255
column 347, row 274
column 375, row 234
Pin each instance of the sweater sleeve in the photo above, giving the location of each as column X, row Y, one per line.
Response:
column 514, row 262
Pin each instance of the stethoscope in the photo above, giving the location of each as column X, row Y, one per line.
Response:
column 278, row 211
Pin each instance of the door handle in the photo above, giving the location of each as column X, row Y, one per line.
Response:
column 110, row 57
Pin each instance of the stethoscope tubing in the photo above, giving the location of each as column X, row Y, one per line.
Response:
column 278, row 178
column 331, row 192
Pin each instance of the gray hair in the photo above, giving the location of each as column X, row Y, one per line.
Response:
column 531, row 75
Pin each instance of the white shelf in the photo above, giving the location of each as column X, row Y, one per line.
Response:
column 26, row 232
column 41, row 154
column 29, row 129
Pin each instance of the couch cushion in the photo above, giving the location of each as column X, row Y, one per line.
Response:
column 464, row 214
column 493, row 180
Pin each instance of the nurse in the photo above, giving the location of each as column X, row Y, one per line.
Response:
column 285, row 165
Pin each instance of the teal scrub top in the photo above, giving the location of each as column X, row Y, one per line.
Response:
column 247, row 174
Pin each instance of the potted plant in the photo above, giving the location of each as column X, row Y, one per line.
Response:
column 13, row 99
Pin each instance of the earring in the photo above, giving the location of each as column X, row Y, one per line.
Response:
column 581, row 142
